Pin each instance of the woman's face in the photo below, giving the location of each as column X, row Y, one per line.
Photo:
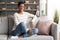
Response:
column 21, row 7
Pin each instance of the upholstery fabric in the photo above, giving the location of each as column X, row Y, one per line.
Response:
column 40, row 37
column 44, row 27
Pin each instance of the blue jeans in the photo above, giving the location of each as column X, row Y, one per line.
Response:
column 21, row 30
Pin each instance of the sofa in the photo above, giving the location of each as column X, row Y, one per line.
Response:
column 6, row 24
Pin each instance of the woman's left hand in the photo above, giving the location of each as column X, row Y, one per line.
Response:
column 31, row 25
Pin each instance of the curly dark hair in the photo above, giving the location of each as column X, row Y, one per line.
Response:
column 19, row 3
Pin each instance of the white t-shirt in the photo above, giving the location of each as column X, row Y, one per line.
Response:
column 18, row 18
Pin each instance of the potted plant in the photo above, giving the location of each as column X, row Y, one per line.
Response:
column 56, row 17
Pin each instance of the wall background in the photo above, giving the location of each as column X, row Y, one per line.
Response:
column 52, row 6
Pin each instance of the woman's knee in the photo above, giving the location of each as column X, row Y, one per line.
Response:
column 22, row 23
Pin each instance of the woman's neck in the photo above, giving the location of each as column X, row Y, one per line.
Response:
column 20, row 12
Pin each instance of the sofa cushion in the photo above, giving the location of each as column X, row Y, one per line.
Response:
column 44, row 26
column 3, row 25
column 3, row 37
column 40, row 37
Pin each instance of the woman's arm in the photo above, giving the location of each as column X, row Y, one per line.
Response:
column 16, row 19
column 33, row 16
column 33, row 20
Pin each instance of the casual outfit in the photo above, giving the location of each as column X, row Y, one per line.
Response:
column 20, row 27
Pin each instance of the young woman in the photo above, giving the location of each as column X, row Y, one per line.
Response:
column 20, row 19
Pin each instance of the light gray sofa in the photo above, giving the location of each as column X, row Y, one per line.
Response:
column 6, row 24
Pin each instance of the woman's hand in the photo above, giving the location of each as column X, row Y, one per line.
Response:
column 31, row 25
column 30, row 32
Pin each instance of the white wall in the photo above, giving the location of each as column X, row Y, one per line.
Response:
column 58, row 8
column 51, row 8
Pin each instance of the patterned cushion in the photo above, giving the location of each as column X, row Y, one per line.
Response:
column 10, row 23
column 44, row 27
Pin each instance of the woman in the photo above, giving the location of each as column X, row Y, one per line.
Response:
column 20, row 19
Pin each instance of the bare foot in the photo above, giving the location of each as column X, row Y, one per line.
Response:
column 21, row 36
column 30, row 32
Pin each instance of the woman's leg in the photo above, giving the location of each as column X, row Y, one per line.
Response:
column 35, row 31
column 20, row 29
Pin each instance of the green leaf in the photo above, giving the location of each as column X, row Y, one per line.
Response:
column 56, row 17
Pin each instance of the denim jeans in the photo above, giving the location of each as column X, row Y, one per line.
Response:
column 21, row 30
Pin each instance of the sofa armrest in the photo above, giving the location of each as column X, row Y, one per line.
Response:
column 54, row 30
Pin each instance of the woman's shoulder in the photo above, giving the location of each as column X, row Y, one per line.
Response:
column 26, row 13
column 15, row 13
